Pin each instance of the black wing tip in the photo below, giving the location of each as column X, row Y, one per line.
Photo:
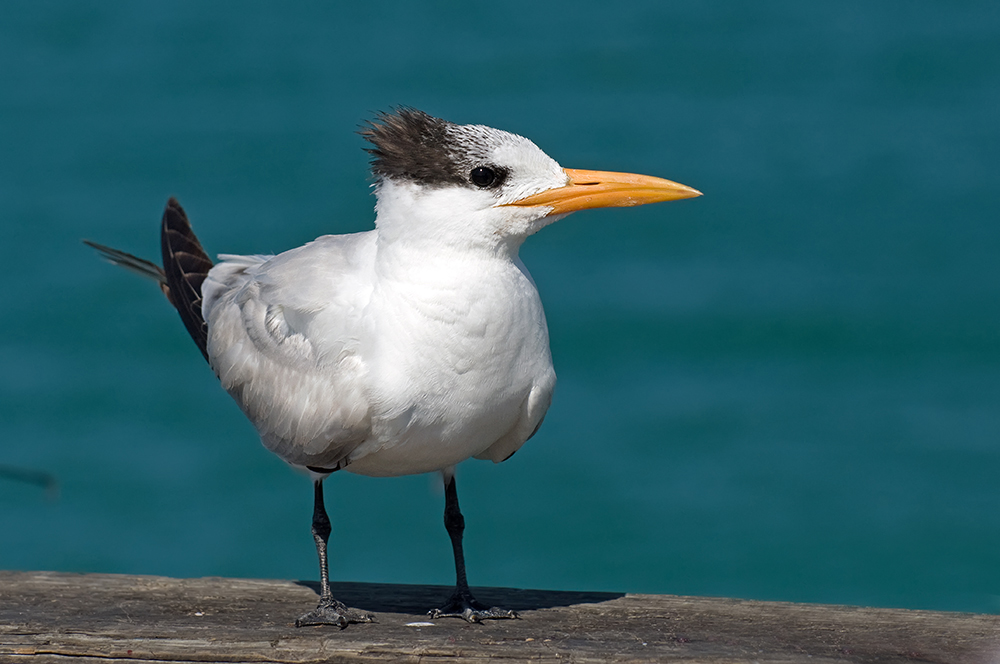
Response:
column 173, row 212
column 186, row 265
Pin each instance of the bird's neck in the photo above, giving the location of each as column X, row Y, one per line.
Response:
column 431, row 222
column 426, row 248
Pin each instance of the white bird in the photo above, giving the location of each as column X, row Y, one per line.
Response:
column 407, row 348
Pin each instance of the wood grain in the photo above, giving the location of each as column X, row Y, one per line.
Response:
column 59, row 617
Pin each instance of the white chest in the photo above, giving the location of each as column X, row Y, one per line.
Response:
column 460, row 349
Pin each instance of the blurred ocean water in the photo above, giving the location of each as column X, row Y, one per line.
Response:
column 787, row 389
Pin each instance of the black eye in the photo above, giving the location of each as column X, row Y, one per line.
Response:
column 483, row 176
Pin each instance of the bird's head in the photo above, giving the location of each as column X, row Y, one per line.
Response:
column 472, row 185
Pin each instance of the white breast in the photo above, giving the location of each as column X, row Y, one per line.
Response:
column 458, row 364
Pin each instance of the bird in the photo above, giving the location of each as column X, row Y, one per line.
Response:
column 404, row 349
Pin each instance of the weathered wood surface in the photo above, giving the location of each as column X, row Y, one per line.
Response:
column 57, row 617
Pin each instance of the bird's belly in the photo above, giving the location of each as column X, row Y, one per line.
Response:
column 432, row 440
column 440, row 404
column 440, row 427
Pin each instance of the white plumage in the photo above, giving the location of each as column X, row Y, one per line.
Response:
column 405, row 349
column 381, row 364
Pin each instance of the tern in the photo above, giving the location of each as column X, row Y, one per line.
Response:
column 404, row 349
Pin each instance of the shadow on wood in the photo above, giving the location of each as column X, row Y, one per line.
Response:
column 418, row 600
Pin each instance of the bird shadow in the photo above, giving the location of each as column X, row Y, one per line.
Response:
column 418, row 599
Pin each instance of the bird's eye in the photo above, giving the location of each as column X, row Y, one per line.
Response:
column 483, row 176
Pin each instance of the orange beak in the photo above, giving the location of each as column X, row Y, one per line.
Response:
column 596, row 189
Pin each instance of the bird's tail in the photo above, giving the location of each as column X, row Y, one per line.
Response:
column 185, row 266
column 139, row 266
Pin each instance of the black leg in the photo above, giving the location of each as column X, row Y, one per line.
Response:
column 454, row 523
column 462, row 604
column 329, row 611
column 321, row 535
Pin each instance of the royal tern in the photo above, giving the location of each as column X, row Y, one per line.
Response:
column 407, row 348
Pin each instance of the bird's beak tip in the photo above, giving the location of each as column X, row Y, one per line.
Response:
column 694, row 193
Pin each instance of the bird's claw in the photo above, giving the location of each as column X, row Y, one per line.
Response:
column 465, row 606
column 332, row 612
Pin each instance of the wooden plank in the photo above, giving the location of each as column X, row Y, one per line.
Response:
column 49, row 617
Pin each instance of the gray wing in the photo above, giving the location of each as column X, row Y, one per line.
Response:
column 283, row 336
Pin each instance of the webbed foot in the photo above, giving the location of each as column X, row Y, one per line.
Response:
column 332, row 612
column 463, row 605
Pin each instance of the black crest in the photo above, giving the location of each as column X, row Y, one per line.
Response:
column 409, row 144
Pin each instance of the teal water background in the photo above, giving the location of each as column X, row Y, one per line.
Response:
column 787, row 389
